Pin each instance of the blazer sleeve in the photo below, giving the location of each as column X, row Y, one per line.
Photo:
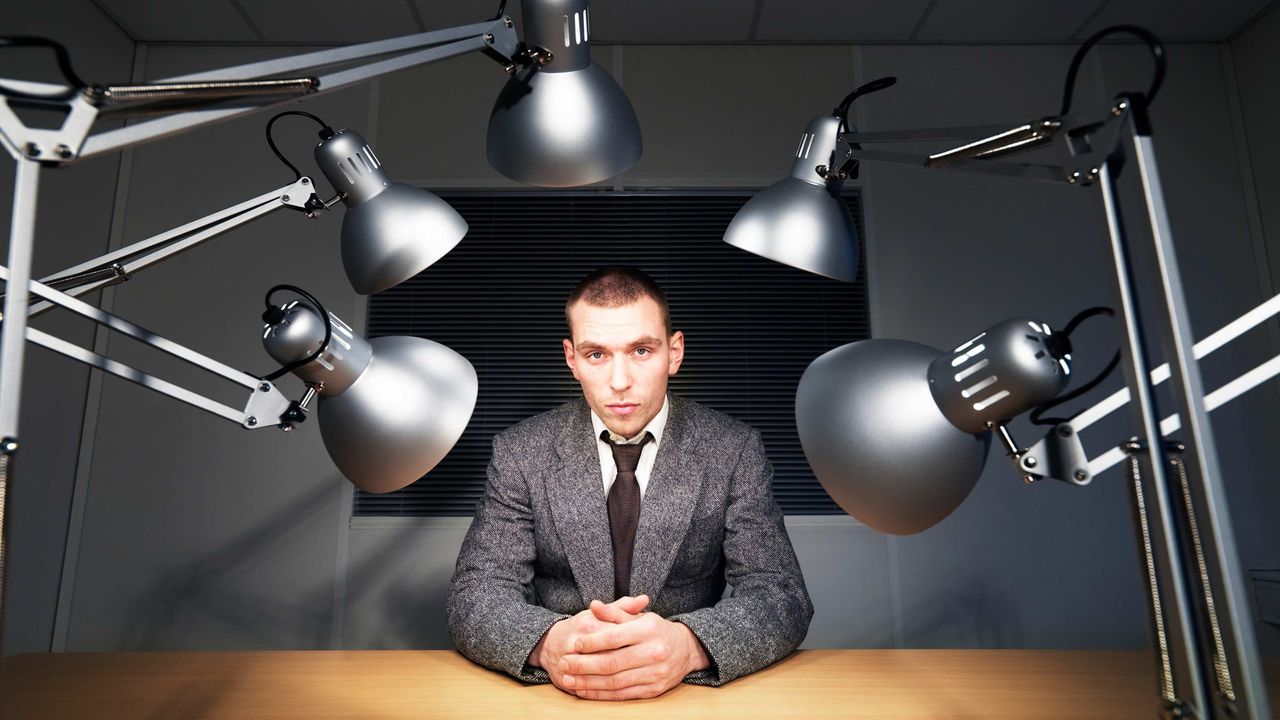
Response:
column 768, row 613
column 493, row 619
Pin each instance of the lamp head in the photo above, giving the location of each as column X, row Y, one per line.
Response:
column 1001, row 373
column 391, row 231
column 898, row 432
column 802, row 220
column 390, row 409
column 567, row 122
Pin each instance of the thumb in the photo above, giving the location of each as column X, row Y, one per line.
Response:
column 632, row 604
column 610, row 613
column 622, row 610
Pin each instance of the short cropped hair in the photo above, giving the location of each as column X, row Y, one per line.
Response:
column 615, row 286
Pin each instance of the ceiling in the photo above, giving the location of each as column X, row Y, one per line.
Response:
column 274, row 22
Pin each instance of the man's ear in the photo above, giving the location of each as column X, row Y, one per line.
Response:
column 570, row 358
column 677, row 353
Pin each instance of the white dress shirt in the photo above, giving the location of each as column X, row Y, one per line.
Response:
column 648, row 453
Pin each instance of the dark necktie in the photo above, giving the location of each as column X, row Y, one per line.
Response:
column 624, row 510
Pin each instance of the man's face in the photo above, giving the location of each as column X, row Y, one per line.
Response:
column 623, row 357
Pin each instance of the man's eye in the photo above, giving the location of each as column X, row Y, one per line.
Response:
column 642, row 351
column 596, row 355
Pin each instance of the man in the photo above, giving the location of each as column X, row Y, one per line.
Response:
column 627, row 499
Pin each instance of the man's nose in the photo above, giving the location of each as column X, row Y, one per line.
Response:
column 620, row 377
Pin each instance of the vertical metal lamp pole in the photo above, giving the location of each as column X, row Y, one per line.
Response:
column 1228, row 628
column 1170, row 595
column 13, row 345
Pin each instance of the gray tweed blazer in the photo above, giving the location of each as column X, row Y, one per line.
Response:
column 538, row 550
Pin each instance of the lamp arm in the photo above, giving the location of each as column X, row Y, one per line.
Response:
column 1081, row 142
column 266, row 403
column 496, row 38
column 120, row 265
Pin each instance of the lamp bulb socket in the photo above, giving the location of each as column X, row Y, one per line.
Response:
column 273, row 315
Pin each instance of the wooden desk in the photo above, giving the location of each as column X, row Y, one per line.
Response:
column 438, row 683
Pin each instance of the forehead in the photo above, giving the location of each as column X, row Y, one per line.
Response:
column 616, row 326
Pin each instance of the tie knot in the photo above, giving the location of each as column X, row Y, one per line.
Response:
column 626, row 455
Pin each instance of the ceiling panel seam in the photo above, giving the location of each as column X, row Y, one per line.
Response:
column 117, row 21
column 417, row 16
column 244, row 15
column 924, row 18
column 1253, row 19
column 1089, row 19
column 754, row 30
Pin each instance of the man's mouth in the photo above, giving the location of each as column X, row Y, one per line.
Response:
column 622, row 408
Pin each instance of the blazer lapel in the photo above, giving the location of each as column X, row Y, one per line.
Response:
column 668, row 504
column 578, row 507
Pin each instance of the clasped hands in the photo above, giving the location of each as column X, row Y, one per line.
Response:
column 616, row 651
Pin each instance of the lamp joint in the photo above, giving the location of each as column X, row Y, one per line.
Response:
column 1059, row 455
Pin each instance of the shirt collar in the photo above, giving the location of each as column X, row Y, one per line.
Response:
column 656, row 426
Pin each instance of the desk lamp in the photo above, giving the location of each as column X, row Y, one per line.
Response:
column 389, row 408
column 898, row 432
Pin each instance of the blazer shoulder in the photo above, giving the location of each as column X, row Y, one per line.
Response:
column 714, row 422
column 540, row 429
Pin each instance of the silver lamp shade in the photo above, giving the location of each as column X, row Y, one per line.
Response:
column 877, row 441
column 391, row 231
column 402, row 416
column 390, row 409
column 568, row 123
column 898, row 432
column 801, row 220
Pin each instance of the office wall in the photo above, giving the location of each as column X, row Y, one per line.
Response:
column 1257, row 105
column 75, row 216
column 197, row 534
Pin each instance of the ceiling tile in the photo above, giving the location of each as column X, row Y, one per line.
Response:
column 309, row 21
column 671, row 21
column 180, row 21
column 1004, row 21
column 440, row 14
column 839, row 20
column 1179, row 20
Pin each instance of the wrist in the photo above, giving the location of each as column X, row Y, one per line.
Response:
column 535, row 655
column 698, row 659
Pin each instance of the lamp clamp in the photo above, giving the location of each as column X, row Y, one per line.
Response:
column 847, row 167
column 527, row 56
column 296, row 414
column 1059, row 456
column 298, row 197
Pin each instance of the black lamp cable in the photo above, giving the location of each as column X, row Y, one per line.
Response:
column 64, row 64
column 274, row 314
column 842, row 110
column 1060, row 345
column 1153, row 44
column 502, row 9
column 326, row 132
